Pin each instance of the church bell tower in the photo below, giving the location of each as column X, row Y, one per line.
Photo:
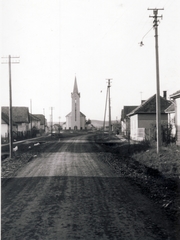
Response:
column 75, row 119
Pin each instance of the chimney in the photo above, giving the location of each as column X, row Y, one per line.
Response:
column 165, row 95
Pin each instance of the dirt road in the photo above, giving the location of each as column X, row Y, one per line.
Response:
column 68, row 192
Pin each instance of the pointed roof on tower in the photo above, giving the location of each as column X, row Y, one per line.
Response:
column 75, row 90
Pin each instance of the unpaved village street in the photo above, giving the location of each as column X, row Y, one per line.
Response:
column 69, row 192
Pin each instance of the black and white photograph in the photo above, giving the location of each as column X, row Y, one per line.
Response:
column 90, row 119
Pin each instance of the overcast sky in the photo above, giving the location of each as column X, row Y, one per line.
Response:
column 94, row 40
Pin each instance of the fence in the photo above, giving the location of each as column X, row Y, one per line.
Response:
column 166, row 134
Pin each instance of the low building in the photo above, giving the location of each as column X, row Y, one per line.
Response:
column 171, row 119
column 34, row 125
column 5, row 128
column 20, row 116
column 143, row 118
column 125, row 120
column 176, row 99
column 43, row 123
column 34, row 121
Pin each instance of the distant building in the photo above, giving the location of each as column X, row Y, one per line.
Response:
column 75, row 120
column 43, row 122
column 171, row 119
column 176, row 98
column 125, row 121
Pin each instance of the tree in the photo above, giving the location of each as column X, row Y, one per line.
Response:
column 88, row 121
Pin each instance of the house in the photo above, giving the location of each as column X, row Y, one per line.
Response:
column 43, row 123
column 57, row 128
column 5, row 127
column 125, row 121
column 64, row 126
column 20, row 115
column 90, row 127
column 75, row 120
column 34, row 121
column 171, row 119
column 34, row 124
column 116, row 127
column 176, row 99
column 143, row 118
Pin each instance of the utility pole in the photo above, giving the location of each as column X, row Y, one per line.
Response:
column 108, row 95
column 44, row 120
column 110, row 130
column 51, row 119
column 105, row 109
column 31, row 114
column 10, row 103
column 158, row 106
column 59, row 125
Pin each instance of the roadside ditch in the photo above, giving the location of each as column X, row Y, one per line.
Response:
column 162, row 188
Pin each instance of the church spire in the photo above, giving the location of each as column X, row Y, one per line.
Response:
column 75, row 90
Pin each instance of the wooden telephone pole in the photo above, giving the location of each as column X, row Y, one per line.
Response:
column 51, row 119
column 158, row 106
column 10, row 103
column 108, row 97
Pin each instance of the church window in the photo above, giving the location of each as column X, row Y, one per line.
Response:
column 75, row 109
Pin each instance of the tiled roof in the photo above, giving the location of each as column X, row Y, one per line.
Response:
column 33, row 117
column 171, row 108
column 126, row 110
column 41, row 117
column 149, row 106
column 5, row 118
column 19, row 114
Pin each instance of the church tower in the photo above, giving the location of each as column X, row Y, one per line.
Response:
column 75, row 118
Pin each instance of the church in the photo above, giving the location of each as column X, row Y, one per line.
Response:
column 75, row 120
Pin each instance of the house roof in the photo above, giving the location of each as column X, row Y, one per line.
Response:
column 33, row 117
column 5, row 118
column 19, row 114
column 175, row 95
column 171, row 108
column 149, row 106
column 126, row 110
column 41, row 118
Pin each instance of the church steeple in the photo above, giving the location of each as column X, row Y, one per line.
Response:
column 75, row 120
column 75, row 95
column 75, row 90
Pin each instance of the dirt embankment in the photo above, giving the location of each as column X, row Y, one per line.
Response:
column 158, row 176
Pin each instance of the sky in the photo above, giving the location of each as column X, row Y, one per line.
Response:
column 94, row 40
